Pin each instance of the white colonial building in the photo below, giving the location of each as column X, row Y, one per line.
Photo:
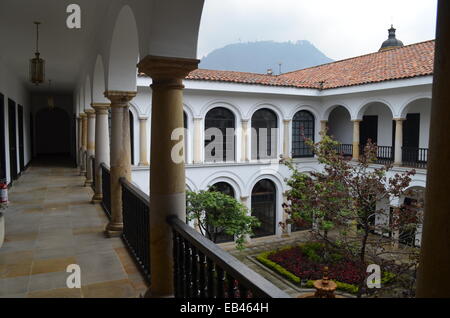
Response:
column 363, row 107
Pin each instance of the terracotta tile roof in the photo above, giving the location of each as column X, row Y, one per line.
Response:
column 400, row 63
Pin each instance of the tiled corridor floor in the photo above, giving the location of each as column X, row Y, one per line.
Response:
column 50, row 223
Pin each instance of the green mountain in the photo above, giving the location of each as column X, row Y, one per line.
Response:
column 258, row 57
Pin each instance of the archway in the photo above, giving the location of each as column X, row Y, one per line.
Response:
column 302, row 129
column 227, row 189
column 340, row 127
column 264, row 200
column 221, row 121
column 264, row 126
column 52, row 132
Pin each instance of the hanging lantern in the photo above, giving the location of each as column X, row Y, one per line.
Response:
column 37, row 65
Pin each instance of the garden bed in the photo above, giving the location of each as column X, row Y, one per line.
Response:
column 302, row 264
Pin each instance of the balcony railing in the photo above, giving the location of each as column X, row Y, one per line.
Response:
column 385, row 155
column 203, row 270
column 415, row 157
column 345, row 149
column 106, row 190
column 136, row 224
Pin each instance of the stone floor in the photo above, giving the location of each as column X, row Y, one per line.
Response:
column 50, row 224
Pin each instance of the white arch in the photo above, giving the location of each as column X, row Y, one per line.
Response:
column 363, row 107
column 98, row 82
column 300, row 107
column 220, row 103
column 277, row 110
column 225, row 176
column 330, row 108
column 124, row 52
column 191, row 185
column 279, row 186
column 404, row 108
column 270, row 174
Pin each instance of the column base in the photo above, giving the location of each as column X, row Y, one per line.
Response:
column 113, row 230
column 82, row 173
column 97, row 198
column 88, row 183
column 143, row 164
column 148, row 294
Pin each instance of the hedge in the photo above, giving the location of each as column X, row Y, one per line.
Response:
column 349, row 288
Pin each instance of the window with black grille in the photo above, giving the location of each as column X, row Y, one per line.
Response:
column 222, row 119
column 302, row 129
column 264, row 207
column 264, row 126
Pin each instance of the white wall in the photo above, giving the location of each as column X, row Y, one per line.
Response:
column 384, row 122
column 340, row 125
column 12, row 88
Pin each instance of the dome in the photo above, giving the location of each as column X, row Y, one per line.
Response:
column 392, row 41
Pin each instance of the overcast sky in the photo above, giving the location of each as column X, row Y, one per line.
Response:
column 339, row 28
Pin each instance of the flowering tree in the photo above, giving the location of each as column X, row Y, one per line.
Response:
column 343, row 204
column 217, row 214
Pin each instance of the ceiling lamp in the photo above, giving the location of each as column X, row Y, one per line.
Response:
column 50, row 100
column 37, row 65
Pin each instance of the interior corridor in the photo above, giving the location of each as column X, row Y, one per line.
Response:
column 50, row 223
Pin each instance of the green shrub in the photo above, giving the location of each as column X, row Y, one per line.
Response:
column 264, row 259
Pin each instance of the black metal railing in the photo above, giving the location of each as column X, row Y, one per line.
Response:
column 345, row 149
column 136, row 224
column 92, row 161
column 385, row 155
column 415, row 157
column 204, row 270
column 106, row 190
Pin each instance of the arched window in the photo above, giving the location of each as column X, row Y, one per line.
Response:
column 264, row 134
column 227, row 189
column 219, row 120
column 264, row 207
column 223, row 187
column 302, row 129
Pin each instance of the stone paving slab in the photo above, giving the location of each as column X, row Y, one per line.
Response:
column 50, row 223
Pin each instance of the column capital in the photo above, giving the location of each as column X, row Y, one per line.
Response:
column 120, row 98
column 101, row 108
column 90, row 113
column 324, row 121
column 400, row 119
column 167, row 68
column 287, row 121
column 83, row 115
column 356, row 120
column 143, row 118
column 245, row 121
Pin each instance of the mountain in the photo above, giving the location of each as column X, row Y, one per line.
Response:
column 257, row 57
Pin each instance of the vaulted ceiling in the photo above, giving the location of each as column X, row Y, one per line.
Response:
column 64, row 50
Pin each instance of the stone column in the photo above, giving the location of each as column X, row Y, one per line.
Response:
column 198, row 143
column 120, row 155
column 244, row 141
column 143, row 141
column 101, row 146
column 356, row 139
column 323, row 125
column 90, row 146
column 84, row 131
column 398, row 141
column 434, row 276
column 79, row 140
column 167, row 180
column 286, row 139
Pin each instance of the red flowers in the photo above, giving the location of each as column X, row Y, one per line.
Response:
column 298, row 263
